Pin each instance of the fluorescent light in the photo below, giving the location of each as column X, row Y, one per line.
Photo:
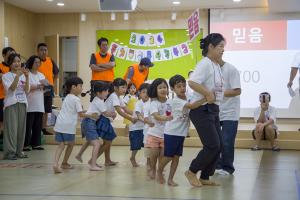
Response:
column 49, row 0
column 176, row 2
column 60, row 4
column 237, row 0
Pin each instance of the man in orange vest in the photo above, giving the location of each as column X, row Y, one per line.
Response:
column 50, row 70
column 138, row 73
column 102, row 64
column 4, row 68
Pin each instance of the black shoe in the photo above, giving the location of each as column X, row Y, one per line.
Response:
column 45, row 132
column 26, row 149
column 38, row 148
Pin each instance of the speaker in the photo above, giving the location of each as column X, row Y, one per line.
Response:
column 117, row 5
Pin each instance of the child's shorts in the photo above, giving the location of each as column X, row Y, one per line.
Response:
column 105, row 129
column 89, row 129
column 136, row 140
column 173, row 145
column 154, row 142
column 64, row 137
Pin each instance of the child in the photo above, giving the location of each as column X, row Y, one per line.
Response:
column 136, row 130
column 105, row 129
column 160, row 114
column 65, row 126
column 176, row 130
column 89, row 126
column 16, row 85
column 130, row 100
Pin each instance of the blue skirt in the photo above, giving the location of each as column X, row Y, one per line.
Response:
column 105, row 129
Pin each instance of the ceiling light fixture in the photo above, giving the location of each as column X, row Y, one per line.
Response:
column 176, row 2
column 61, row 4
column 49, row 0
column 237, row 0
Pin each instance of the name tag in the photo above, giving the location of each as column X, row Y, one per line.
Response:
column 219, row 93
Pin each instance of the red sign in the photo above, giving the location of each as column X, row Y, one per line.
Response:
column 193, row 24
column 263, row 35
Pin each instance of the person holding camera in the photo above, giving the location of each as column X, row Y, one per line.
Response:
column 265, row 118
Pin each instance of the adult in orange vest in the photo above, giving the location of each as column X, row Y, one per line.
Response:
column 4, row 68
column 102, row 64
column 50, row 70
column 138, row 73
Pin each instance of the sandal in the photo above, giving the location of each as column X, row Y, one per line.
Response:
column 256, row 148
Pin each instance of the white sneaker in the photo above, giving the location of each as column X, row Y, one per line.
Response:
column 222, row 172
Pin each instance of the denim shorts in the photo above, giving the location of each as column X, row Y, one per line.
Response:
column 173, row 145
column 89, row 129
column 136, row 139
column 64, row 137
column 105, row 129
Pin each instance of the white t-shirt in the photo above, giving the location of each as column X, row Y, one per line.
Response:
column 112, row 101
column 269, row 114
column 208, row 74
column 159, row 126
column 17, row 96
column 146, row 112
column 68, row 115
column 139, row 125
column 35, row 98
column 296, row 61
column 230, row 106
column 179, row 126
column 96, row 106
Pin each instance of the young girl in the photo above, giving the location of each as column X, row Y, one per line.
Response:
column 35, row 108
column 16, row 85
column 105, row 129
column 130, row 100
column 65, row 126
column 136, row 130
column 160, row 114
column 89, row 126
column 176, row 130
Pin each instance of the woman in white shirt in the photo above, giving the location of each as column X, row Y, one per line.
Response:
column 207, row 82
column 35, row 108
column 16, row 85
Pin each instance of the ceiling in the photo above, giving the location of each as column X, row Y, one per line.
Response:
column 77, row 6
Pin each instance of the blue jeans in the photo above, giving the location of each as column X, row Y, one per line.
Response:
column 228, row 133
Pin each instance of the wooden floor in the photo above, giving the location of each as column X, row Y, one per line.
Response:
column 262, row 175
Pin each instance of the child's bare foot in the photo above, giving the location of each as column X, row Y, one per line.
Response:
column 66, row 166
column 78, row 158
column 57, row 170
column 192, row 178
column 172, row 183
column 96, row 168
column 160, row 177
column 152, row 174
column 111, row 163
column 90, row 164
column 133, row 162
column 208, row 182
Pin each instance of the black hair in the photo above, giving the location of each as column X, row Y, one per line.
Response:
column 128, row 88
column 144, row 86
column 101, row 86
column 6, row 50
column 42, row 45
column 152, row 92
column 212, row 38
column 30, row 61
column 11, row 58
column 73, row 81
column 99, row 42
column 263, row 96
column 176, row 79
column 119, row 82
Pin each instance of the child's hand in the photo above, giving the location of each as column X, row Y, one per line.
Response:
column 95, row 116
column 134, row 120
column 151, row 124
column 114, row 115
column 25, row 72
column 19, row 73
column 169, row 118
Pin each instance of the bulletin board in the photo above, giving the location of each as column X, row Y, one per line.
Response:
column 164, row 68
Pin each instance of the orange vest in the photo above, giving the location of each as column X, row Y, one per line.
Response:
column 107, row 75
column 46, row 68
column 138, row 77
column 4, row 69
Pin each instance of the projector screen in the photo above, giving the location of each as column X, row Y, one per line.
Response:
column 263, row 52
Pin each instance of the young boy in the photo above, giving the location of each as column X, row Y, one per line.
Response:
column 176, row 130
column 65, row 126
